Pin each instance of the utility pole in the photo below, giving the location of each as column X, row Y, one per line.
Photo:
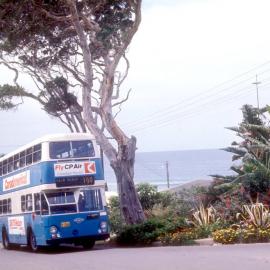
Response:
column 257, row 89
column 167, row 174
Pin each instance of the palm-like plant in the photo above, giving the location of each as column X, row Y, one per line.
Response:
column 204, row 216
column 256, row 214
column 253, row 151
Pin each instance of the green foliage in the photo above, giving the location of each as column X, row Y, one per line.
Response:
column 253, row 174
column 151, row 230
column 226, row 236
column 7, row 93
column 149, row 196
column 58, row 99
column 116, row 220
column 53, row 39
column 242, row 235
column 205, row 220
column 256, row 214
column 140, row 234
column 204, row 216
column 184, row 237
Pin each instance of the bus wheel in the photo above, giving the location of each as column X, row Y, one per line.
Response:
column 5, row 239
column 32, row 242
column 88, row 244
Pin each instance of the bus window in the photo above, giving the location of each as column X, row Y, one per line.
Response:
column 60, row 150
column 90, row 200
column 10, row 164
column 64, row 208
column 71, row 149
column 22, row 159
column 82, row 149
column 16, row 162
column 60, row 197
column 61, row 202
column 37, row 153
column 37, row 203
column 5, row 166
column 44, row 205
column 29, row 156
column 9, row 206
column 28, row 202
column 23, row 208
column 5, row 206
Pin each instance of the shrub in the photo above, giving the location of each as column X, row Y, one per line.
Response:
column 140, row 234
column 149, row 196
column 183, row 237
column 256, row 214
column 150, row 231
column 226, row 236
column 205, row 221
column 204, row 216
column 249, row 234
column 115, row 217
column 254, row 235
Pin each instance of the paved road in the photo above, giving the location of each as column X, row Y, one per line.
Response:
column 235, row 257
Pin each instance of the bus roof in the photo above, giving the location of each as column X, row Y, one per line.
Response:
column 51, row 138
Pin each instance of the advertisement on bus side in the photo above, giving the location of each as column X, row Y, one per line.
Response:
column 74, row 168
column 16, row 225
column 16, row 181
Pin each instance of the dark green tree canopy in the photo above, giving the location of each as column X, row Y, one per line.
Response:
column 43, row 30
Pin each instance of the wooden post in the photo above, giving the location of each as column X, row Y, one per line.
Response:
column 167, row 174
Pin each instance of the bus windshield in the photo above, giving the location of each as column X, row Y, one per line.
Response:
column 64, row 201
column 61, row 202
column 71, row 149
column 90, row 200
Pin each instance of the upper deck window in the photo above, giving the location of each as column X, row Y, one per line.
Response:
column 71, row 149
column 25, row 158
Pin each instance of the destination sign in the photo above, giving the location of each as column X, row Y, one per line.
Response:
column 75, row 181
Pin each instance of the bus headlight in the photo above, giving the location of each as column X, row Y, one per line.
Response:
column 53, row 230
column 103, row 226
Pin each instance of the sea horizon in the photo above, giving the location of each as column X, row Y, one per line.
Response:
column 184, row 166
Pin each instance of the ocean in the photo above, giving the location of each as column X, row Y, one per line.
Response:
column 183, row 167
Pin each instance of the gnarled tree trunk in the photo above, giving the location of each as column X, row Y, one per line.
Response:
column 124, row 171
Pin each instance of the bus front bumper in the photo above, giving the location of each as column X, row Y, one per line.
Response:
column 77, row 240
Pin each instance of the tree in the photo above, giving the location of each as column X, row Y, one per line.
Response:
column 253, row 152
column 75, row 51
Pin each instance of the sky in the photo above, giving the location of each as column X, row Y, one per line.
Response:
column 193, row 64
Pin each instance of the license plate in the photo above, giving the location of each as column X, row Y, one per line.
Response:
column 65, row 224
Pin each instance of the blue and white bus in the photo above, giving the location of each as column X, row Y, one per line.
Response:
column 52, row 191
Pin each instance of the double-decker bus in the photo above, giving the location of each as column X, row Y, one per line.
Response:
column 52, row 191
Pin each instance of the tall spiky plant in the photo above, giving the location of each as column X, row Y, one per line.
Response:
column 256, row 214
column 253, row 152
column 204, row 216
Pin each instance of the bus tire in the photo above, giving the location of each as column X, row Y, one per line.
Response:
column 5, row 239
column 88, row 244
column 32, row 242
